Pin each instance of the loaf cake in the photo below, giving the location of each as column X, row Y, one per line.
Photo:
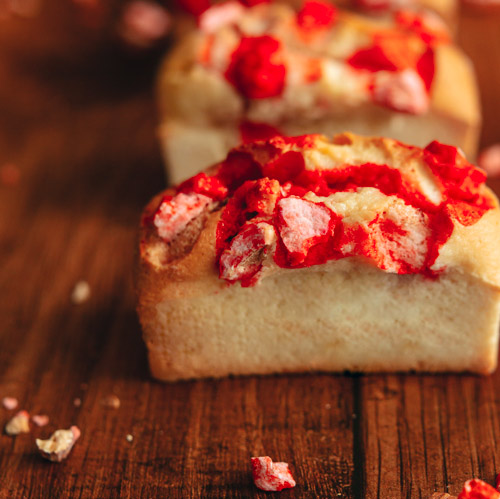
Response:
column 256, row 72
column 314, row 254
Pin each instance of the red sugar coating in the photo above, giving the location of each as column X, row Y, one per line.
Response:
column 271, row 476
column 288, row 169
column 427, row 25
column 477, row 489
column 393, row 50
column 251, row 131
column 316, row 15
column 257, row 68
column 426, row 67
column 240, row 261
column 238, row 167
column 254, row 199
column 285, row 167
column 265, row 185
column 372, row 59
column 307, row 232
column 195, row 7
column 461, row 184
column 203, row 184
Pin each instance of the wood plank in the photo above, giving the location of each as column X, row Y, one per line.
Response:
column 77, row 118
column 87, row 168
column 424, row 434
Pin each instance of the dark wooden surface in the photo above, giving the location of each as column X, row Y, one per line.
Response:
column 77, row 118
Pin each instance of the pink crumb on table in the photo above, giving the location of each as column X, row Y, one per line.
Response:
column 40, row 419
column 143, row 23
column 10, row 403
column 489, row 160
column 271, row 476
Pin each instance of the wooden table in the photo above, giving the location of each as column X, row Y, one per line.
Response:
column 77, row 119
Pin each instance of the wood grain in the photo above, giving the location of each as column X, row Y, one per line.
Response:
column 77, row 118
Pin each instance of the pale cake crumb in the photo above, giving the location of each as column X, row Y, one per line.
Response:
column 18, row 424
column 111, row 401
column 59, row 445
column 80, row 293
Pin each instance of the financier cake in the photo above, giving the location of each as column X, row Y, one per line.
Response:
column 255, row 72
column 316, row 254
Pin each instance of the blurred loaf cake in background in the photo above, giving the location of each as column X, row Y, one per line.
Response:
column 261, row 71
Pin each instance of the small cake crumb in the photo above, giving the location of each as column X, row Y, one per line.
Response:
column 80, row 293
column 59, row 445
column 111, row 401
column 10, row 403
column 271, row 476
column 18, row 424
column 442, row 495
column 129, row 437
column 40, row 419
column 77, row 402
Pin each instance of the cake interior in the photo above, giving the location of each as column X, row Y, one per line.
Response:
column 346, row 315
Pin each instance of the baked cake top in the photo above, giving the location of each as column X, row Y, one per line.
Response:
column 299, row 202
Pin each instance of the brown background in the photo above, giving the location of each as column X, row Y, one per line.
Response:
column 77, row 118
